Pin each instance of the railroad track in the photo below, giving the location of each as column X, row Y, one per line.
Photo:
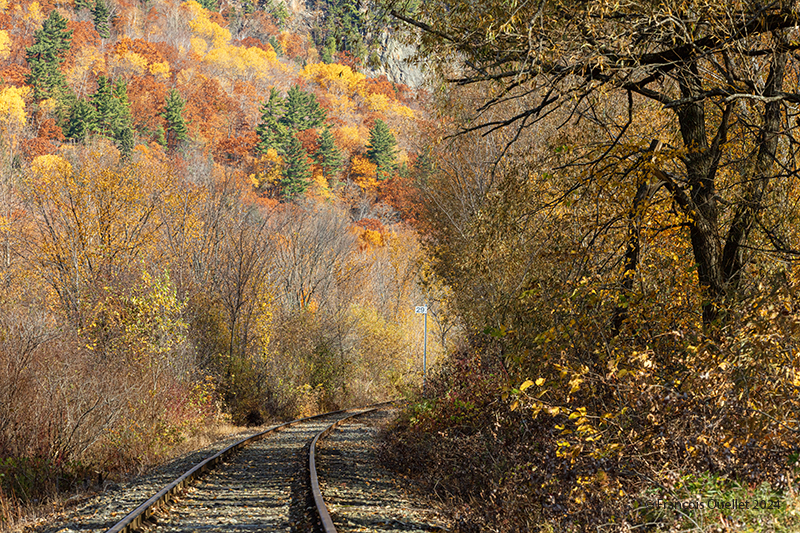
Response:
column 266, row 482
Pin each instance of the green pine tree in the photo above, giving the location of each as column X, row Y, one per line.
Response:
column 271, row 132
column 297, row 174
column 51, row 44
column 83, row 4
column 159, row 136
column 173, row 116
column 302, row 111
column 82, row 121
column 113, row 113
column 381, row 150
column 328, row 156
column 100, row 16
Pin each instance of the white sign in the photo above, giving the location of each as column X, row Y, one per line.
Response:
column 421, row 309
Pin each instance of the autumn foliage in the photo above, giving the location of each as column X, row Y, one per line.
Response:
column 160, row 271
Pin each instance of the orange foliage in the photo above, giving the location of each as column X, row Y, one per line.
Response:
column 380, row 85
column 400, row 193
column 310, row 140
column 235, row 150
column 347, row 59
column 293, row 45
column 33, row 148
column 207, row 109
column 15, row 74
column 252, row 42
column 50, row 131
column 167, row 51
column 266, row 23
column 143, row 48
column 147, row 96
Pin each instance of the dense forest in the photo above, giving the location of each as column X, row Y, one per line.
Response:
column 218, row 212
column 201, row 217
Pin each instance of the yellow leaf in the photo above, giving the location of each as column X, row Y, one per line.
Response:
column 514, row 405
column 540, row 382
column 525, row 385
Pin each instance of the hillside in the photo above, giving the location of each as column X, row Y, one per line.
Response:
column 203, row 220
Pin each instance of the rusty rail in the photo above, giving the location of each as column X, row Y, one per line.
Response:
column 322, row 509
column 136, row 517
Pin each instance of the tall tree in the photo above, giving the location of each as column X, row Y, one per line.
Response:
column 100, row 16
column 302, row 110
column 297, row 174
column 113, row 112
column 722, row 70
column 381, row 150
column 328, row 156
column 82, row 121
column 173, row 115
column 271, row 132
column 45, row 57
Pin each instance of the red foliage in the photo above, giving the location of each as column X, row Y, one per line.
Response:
column 50, row 131
column 346, row 58
column 310, row 140
column 208, row 107
column 32, row 148
column 234, row 150
column 143, row 48
column 252, row 42
column 372, row 224
column 15, row 74
column 147, row 96
column 400, row 193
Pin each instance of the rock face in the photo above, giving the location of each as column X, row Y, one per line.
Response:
column 398, row 64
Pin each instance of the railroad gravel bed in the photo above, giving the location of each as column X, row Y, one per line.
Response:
column 97, row 513
column 361, row 494
column 258, row 489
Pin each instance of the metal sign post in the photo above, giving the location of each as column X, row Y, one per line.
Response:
column 423, row 310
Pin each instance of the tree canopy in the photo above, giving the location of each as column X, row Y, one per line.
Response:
column 717, row 74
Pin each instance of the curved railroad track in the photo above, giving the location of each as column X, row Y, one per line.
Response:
column 271, row 482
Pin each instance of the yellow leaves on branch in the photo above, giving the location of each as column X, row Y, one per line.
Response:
column 12, row 107
column 202, row 25
column 212, row 43
column 5, row 45
column 337, row 79
column 363, row 172
column 49, row 166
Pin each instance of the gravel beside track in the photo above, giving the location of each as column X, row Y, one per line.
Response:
column 256, row 490
column 98, row 512
column 362, row 495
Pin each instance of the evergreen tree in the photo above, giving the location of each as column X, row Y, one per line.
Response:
column 113, row 112
column 82, row 121
column 381, row 150
column 298, row 171
column 328, row 156
column 302, row 111
column 83, row 4
column 44, row 58
column 100, row 16
column 173, row 115
column 271, row 132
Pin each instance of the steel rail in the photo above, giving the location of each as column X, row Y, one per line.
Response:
column 322, row 509
column 136, row 517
